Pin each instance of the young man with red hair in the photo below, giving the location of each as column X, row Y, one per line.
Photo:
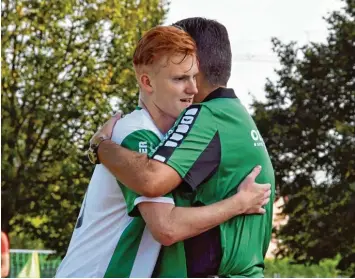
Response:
column 118, row 232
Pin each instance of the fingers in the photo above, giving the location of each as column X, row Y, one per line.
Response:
column 106, row 129
column 117, row 116
column 266, row 201
column 254, row 173
column 109, row 125
column 267, row 194
column 262, row 210
column 266, row 186
column 114, row 119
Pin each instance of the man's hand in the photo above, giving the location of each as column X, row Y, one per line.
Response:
column 253, row 195
column 107, row 129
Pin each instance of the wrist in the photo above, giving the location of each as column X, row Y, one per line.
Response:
column 240, row 204
column 94, row 148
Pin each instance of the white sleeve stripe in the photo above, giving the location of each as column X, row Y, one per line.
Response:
column 159, row 199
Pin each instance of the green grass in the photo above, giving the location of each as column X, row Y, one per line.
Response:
column 284, row 268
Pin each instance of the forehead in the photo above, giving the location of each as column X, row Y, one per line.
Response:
column 178, row 64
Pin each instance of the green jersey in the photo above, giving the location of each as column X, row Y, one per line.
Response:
column 213, row 146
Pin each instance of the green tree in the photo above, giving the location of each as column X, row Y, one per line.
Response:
column 308, row 124
column 63, row 63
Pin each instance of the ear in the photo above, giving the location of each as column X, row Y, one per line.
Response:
column 145, row 81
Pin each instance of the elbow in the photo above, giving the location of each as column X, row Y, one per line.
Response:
column 149, row 192
column 151, row 189
column 165, row 236
column 164, row 240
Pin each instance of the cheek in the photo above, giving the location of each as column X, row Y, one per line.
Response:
column 163, row 96
column 176, row 89
column 169, row 95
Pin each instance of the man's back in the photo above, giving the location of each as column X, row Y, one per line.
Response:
column 213, row 146
column 245, row 238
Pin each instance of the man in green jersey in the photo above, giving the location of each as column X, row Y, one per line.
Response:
column 111, row 239
column 210, row 149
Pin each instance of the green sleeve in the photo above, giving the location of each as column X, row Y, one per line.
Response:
column 141, row 141
column 192, row 147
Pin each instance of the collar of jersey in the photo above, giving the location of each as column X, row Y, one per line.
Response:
column 220, row 92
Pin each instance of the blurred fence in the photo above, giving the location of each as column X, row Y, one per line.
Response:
column 33, row 263
column 44, row 264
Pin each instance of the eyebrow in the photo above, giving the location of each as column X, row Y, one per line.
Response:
column 182, row 76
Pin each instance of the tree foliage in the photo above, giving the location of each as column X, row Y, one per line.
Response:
column 64, row 62
column 308, row 123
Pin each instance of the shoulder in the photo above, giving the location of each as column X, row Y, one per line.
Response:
column 189, row 116
column 196, row 116
column 197, row 110
column 135, row 124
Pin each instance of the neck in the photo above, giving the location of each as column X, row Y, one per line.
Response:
column 163, row 121
column 205, row 90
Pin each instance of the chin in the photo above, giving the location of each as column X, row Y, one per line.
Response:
column 186, row 105
column 176, row 114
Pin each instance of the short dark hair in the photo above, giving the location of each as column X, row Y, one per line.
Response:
column 213, row 48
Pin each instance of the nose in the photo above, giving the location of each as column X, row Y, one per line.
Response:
column 192, row 87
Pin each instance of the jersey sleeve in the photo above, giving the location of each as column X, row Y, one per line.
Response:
column 141, row 141
column 192, row 147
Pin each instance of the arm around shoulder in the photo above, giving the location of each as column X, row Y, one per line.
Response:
column 144, row 176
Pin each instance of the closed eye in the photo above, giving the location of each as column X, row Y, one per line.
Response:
column 181, row 78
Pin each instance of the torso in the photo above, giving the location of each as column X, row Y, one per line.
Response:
column 107, row 242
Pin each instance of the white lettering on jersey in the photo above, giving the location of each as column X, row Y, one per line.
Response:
column 143, row 147
column 258, row 140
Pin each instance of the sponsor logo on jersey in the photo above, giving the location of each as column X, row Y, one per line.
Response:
column 175, row 136
column 143, row 147
column 258, row 140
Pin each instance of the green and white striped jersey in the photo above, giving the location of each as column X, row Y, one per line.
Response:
column 111, row 238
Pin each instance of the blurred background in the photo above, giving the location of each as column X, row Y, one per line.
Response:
column 66, row 65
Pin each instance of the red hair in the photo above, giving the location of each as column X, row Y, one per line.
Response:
column 160, row 41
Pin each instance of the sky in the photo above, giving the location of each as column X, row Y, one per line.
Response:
column 251, row 25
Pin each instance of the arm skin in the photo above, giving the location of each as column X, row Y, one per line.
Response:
column 144, row 176
column 170, row 224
